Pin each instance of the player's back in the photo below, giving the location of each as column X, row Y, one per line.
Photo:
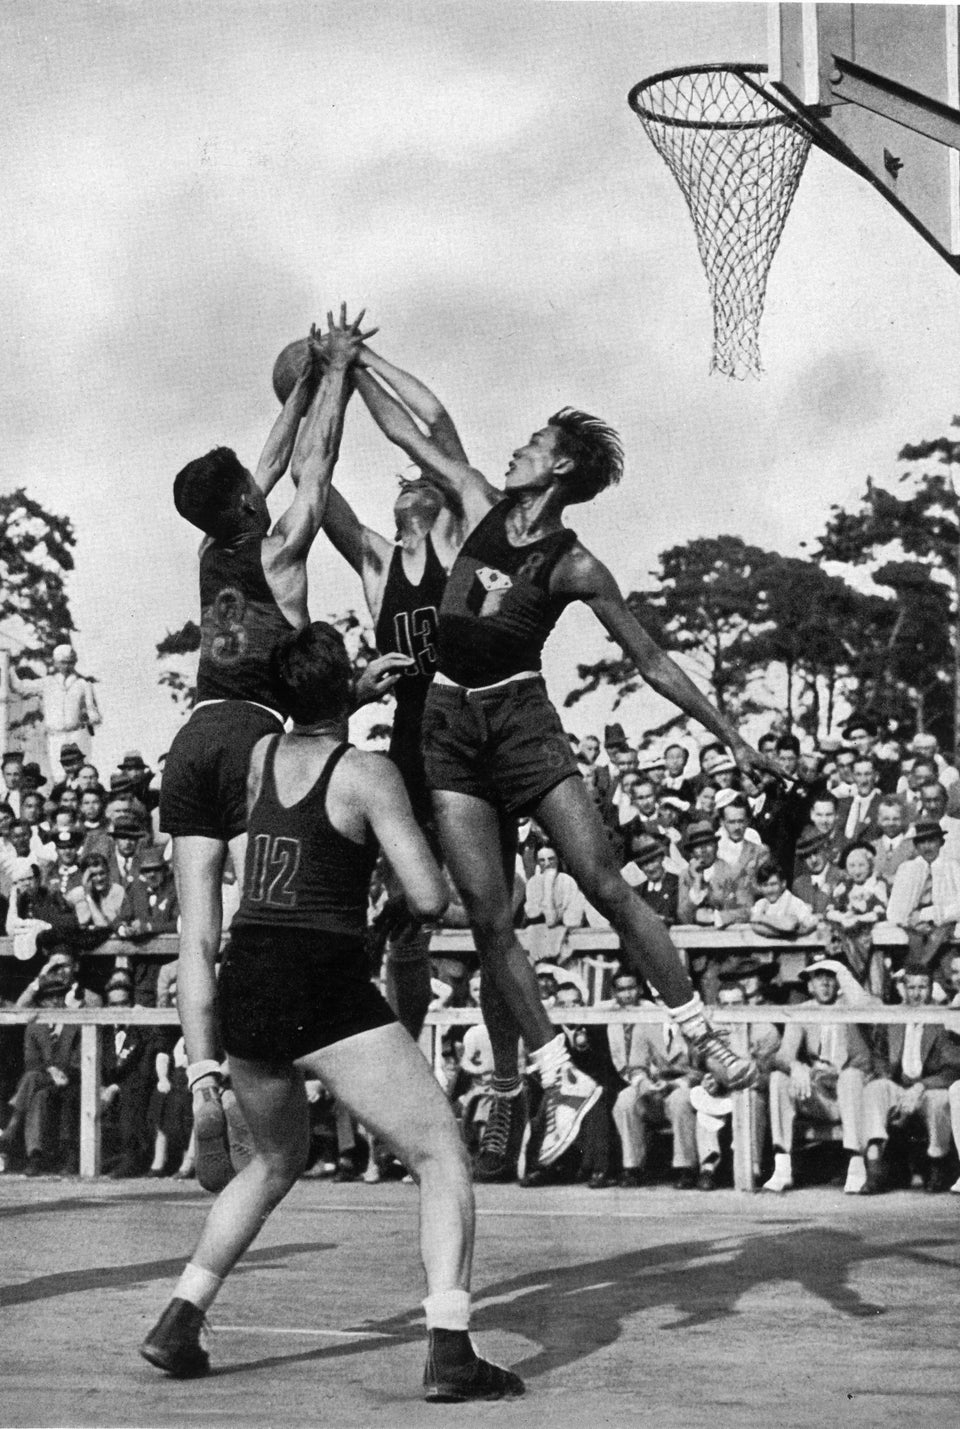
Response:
column 240, row 623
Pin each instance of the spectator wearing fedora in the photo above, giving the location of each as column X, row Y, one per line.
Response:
column 122, row 801
column 139, row 775
column 71, row 762
column 925, row 898
column 712, row 893
column 129, row 837
column 820, row 1072
column 149, row 909
column 659, row 889
column 933, row 809
column 818, row 876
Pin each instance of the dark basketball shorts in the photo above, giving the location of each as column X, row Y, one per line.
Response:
column 204, row 788
column 285, row 992
column 504, row 745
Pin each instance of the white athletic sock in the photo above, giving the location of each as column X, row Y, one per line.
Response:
column 549, row 1060
column 197, row 1285
column 448, row 1310
column 689, row 1017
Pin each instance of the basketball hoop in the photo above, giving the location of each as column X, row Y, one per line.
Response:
column 737, row 156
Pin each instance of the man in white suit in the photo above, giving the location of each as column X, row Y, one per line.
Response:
column 925, row 898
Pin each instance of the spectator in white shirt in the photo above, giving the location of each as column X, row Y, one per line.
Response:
column 933, row 809
column 777, row 912
column 925, row 898
column 70, row 712
column 553, row 897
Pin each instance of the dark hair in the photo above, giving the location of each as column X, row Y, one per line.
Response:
column 206, row 492
column 595, row 450
column 313, row 673
column 94, row 860
column 825, row 797
column 569, row 987
column 768, row 869
column 788, row 741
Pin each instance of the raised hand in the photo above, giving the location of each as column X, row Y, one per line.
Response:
column 341, row 344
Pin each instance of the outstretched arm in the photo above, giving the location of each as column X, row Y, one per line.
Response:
column 363, row 549
column 396, row 423
column 318, row 442
column 275, row 457
column 423, row 403
column 583, row 577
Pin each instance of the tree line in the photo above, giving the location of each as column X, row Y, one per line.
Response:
column 867, row 616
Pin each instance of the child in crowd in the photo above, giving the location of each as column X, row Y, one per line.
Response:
column 856, row 906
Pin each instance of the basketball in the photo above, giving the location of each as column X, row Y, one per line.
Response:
column 288, row 366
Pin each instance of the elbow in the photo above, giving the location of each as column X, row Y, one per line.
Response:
column 432, row 903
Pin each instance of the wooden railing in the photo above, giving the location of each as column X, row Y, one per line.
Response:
column 738, row 1019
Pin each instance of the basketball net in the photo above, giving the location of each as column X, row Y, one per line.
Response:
column 737, row 157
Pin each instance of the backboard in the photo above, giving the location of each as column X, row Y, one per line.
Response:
column 880, row 87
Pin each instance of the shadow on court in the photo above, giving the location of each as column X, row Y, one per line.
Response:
column 114, row 1277
column 574, row 1311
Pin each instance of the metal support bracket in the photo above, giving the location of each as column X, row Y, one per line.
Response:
column 852, row 83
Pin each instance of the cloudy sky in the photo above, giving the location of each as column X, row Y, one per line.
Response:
column 186, row 187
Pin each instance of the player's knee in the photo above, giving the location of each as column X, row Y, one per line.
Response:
column 606, row 890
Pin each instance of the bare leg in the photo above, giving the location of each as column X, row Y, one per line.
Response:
column 570, row 818
column 198, row 864
column 198, row 869
column 274, row 1106
column 386, row 1083
column 470, row 833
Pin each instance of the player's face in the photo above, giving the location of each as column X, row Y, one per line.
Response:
column 531, row 466
column 417, row 500
column 890, row 819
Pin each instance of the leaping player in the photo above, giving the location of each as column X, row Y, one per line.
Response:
column 494, row 747
column 253, row 591
column 403, row 585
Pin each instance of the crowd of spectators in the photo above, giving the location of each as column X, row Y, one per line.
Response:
column 847, row 859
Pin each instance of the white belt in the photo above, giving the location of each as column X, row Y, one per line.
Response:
column 207, row 704
column 440, row 679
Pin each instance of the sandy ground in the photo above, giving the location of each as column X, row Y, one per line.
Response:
column 647, row 1307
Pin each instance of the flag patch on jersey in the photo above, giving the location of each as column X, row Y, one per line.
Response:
column 488, row 591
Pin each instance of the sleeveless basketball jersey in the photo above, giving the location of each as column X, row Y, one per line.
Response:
column 240, row 622
column 408, row 624
column 300, row 871
column 497, row 610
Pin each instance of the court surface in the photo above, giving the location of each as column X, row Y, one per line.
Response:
column 647, row 1307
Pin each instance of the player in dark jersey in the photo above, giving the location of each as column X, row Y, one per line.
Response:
column 403, row 584
column 294, row 993
column 253, row 591
column 495, row 748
